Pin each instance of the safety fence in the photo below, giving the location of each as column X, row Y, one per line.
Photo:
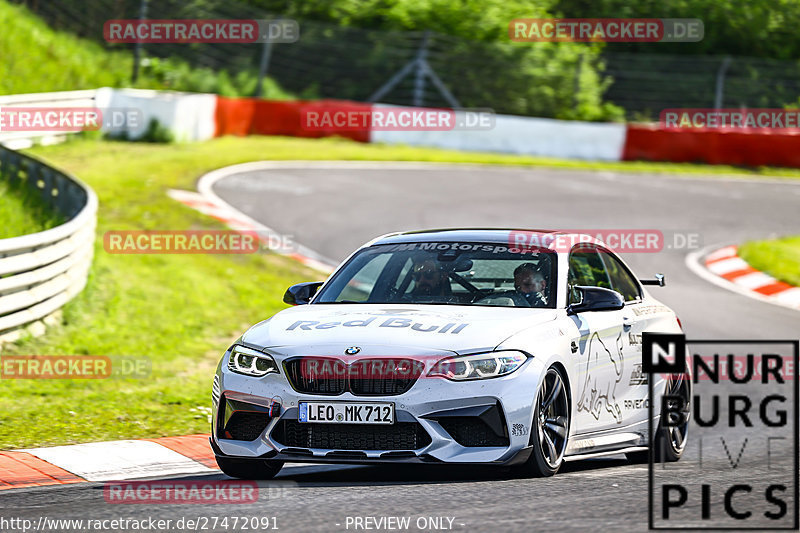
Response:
column 549, row 80
column 543, row 137
column 197, row 117
column 40, row 272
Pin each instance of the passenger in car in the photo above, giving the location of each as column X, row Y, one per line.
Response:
column 531, row 283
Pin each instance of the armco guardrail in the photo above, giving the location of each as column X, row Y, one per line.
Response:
column 24, row 139
column 40, row 272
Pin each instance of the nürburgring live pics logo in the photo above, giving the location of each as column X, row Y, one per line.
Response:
column 740, row 463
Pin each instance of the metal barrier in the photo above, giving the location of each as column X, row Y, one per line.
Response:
column 24, row 139
column 42, row 271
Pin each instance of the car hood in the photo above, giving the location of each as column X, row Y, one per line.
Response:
column 326, row 327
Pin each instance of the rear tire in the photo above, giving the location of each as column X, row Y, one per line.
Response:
column 249, row 468
column 550, row 428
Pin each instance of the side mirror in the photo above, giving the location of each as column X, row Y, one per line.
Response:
column 596, row 299
column 301, row 293
column 658, row 279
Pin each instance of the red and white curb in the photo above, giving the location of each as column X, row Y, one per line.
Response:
column 725, row 268
column 209, row 203
column 106, row 461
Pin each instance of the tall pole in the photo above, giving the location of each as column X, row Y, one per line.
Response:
column 419, row 81
column 723, row 68
column 266, row 54
column 137, row 49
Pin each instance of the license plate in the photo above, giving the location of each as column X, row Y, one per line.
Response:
column 347, row 413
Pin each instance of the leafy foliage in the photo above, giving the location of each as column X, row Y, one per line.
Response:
column 37, row 58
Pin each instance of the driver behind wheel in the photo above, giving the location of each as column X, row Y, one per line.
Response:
column 430, row 279
column 531, row 284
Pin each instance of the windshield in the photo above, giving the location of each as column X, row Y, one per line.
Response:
column 458, row 273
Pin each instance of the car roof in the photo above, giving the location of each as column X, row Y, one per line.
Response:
column 482, row 235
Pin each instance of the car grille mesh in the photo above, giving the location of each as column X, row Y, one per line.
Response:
column 246, row 426
column 317, row 375
column 364, row 377
column 399, row 436
column 471, row 432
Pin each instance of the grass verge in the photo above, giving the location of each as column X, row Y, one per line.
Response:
column 22, row 212
column 180, row 311
column 780, row 258
column 37, row 58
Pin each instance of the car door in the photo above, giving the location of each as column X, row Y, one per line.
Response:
column 635, row 320
column 600, row 363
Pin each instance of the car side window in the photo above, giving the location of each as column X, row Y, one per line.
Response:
column 585, row 268
column 363, row 283
column 621, row 279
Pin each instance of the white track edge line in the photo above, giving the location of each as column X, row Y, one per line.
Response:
column 205, row 188
column 423, row 165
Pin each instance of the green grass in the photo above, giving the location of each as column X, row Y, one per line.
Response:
column 22, row 212
column 181, row 311
column 37, row 58
column 780, row 258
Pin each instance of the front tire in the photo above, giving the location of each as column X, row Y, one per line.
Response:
column 550, row 429
column 669, row 443
column 249, row 468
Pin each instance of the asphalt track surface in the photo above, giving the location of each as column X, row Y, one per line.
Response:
column 335, row 210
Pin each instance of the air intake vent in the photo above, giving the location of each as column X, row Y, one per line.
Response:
column 246, row 426
column 472, row 432
column 215, row 390
column 400, row 436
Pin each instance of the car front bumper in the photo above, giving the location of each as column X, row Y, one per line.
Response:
column 502, row 404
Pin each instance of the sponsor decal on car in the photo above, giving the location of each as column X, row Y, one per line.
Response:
column 451, row 327
column 638, row 377
column 519, row 430
column 639, row 403
column 599, row 396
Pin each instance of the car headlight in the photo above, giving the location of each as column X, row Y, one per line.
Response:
column 479, row 366
column 251, row 362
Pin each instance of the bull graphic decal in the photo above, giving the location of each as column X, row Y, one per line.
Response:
column 599, row 394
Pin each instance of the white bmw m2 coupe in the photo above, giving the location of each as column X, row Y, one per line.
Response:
column 450, row 346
